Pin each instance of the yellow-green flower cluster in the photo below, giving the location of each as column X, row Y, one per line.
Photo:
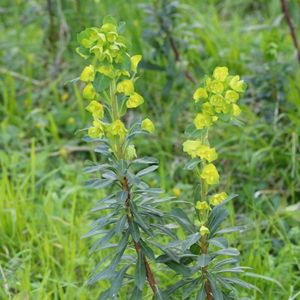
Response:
column 218, row 96
column 110, row 77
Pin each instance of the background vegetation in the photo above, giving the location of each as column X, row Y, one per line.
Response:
column 44, row 209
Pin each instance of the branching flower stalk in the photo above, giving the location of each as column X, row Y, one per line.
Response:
column 216, row 100
column 109, row 86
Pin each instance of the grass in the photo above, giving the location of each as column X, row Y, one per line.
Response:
column 44, row 209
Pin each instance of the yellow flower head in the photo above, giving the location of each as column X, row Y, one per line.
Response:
column 134, row 100
column 176, row 191
column 205, row 152
column 118, row 128
column 202, row 205
column 96, row 109
column 220, row 73
column 107, row 70
column 204, row 230
column 203, row 120
column 231, row 96
column 108, row 27
column 200, row 93
column 135, row 61
column 217, row 87
column 236, row 84
column 210, row 174
column 192, row 147
column 88, row 74
column 89, row 92
column 236, row 110
column 130, row 153
column 208, row 109
column 97, row 130
column 148, row 125
column 126, row 87
column 216, row 199
column 111, row 36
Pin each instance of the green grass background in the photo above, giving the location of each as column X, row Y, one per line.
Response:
column 44, row 209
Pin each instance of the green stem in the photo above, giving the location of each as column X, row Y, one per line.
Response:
column 114, row 104
column 115, row 116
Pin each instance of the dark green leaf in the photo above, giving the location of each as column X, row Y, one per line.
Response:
column 227, row 251
column 188, row 290
column 146, row 250
column 140, row 271
column 116, row 282
column 192, row 164
column 190, row 240
column 136, row 294
column 120, row 225
column 147, row 170
column 134, row 231
column 182, row 218
column 171, row 289
column 101, row 82
column 219, row 242
column 145, row 160
column 201, row 295
column 203, row 260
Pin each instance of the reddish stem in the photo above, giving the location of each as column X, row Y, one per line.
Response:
column 137, row 246
column 293, row 33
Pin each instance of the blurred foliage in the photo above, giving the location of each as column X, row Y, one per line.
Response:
column 43, row 208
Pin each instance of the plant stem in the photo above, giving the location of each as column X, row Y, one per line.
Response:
column 126, row 187
column 293, row 33
column 204, row 244
column 137, row 246
column 114, row 104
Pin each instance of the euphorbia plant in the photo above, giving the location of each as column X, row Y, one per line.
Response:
column 131, row 205
column 206, row 271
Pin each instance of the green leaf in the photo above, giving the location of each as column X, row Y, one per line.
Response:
column 124, row 241
column 203, row 260
column 227, row 251
column 215, row 219
column 136, row 294
column 242, row 283
column 105, row 295
column 147, row 170
column 232, row 229
column 188, row 290
column 182, row 218
column 219, row 242
column 140, row 271
column 226, row 261
column 201, row 295
column 116, row 282
column 179, row 284
column 179, row 268
column 98, row 183
column 263, row 277
column 190, row 240
column 121, row 27
column 216, row 291
column 101, row 82
column 134, row 231
column 192, row 164
column 109, row 19
column 145, row 160
column 160, row 295
column 96, row 168
column 102, row 241
column 120, row 225
column 146, row 250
